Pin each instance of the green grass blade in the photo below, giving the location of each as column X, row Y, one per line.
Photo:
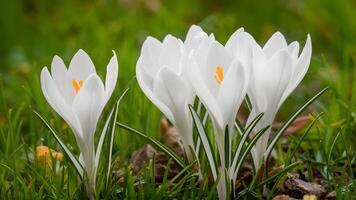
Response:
column 207, row 145
column 244, row 137
column 72, row 158
column 156, row 144
column 248, row 149
column 113, row 135
column 289, row 122
column 302, row 138
column 102, row 137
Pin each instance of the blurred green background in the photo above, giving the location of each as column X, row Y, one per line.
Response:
column 33, row 31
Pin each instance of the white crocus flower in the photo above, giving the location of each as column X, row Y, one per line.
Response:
column 220, row 79
column 78, row 95
column 161, row 74
column 277, row 70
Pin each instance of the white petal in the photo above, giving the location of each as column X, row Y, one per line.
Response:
column 59, row 73
column 300, row 69
column 232, row 92
column 278, row 71
column 151, row 50
column 276, row 42
column 202, row 90
column 171, row 53
column 111, row 76
column 58, row 70
column 88, row 105
column 217, row 57
column 57, row 101
column 293, row 49
column 234, row 41
column 194, row 37
column 146, row 84
column 80, row 66
column 179, row 95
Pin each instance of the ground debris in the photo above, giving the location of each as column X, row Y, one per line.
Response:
column 283, row 197
column 297, row 188
column 141, row 157
column 297, row 125
column 331, row 195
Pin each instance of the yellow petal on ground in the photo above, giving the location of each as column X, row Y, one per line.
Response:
column 44, row 153
column 309, row 197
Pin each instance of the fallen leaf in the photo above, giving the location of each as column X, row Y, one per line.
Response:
column 296, row 126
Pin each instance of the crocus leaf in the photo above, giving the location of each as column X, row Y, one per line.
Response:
column 207, row 145
column 286, row 124
column 243, row 139
column 248, row 149
column 113, row 128
column 156, row 144
column 72, row 158
column 269, row 179
column 302, row 138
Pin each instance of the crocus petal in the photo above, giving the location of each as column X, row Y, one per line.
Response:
column 217, row 57
column 87, row 107
column 111, row 76
column 300, row 69
column 276, row 42
column 89, row 103
column 178, row 95
column 232, row 91
column 194, row 37
column 171, row 53
column 151, row 49
column 59, row 72
column 162, row 94
column 293, row 49
column 273, row 80
column 57, row 101
column 203, row 92
column 146, row 84
column 234, row 42
column 80, row 66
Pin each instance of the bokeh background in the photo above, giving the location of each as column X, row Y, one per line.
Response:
column 33, row 31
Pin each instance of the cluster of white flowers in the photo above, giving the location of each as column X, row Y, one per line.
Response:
column 172, row 73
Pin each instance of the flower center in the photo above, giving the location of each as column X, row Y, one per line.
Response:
column 219, row 74
column 77, row 84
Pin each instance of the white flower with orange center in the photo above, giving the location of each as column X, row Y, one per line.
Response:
column 277, row 70
column 220, row 78
column 78, row 95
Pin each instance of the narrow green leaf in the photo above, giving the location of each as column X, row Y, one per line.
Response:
column 102, row 137
column 248, row 149
column 227, row 147
column 156, row 144
column 289, row 122
column 302, row 138
column 248, row 103
column 72, row 158
column 244, row 137
column 207, row 145
column 113, row 128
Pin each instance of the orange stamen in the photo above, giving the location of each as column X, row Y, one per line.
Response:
column 219, row 74
column 77, row 85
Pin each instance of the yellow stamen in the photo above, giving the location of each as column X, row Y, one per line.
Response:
column 44, row 154
column 77, row 85
column 219, row 74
